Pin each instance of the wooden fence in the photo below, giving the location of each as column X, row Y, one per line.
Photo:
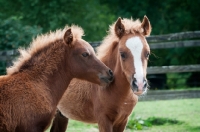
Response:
column 175, row 40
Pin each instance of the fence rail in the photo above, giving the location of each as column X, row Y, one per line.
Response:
column 173, row 69
column 174, row 36
column 170, row 94
column 177, row 44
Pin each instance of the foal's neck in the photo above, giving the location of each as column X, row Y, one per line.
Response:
column 120, row 83
column 50, row 68
column 58, row 83
column 60, row 77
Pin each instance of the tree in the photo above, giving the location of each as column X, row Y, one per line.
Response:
column 13, row 35
column 53, row 14
column 165, row 16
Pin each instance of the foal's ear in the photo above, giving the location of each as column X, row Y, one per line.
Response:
column 68, row 37
column 119, row 28
column 146, row 26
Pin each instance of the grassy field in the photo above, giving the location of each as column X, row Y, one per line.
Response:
column 186, row 111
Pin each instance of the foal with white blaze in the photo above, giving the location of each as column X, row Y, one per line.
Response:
column 135, row 46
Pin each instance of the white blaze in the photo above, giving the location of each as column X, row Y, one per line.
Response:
column 135, row 46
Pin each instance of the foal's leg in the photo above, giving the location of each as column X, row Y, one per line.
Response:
column 105, row 125
column 60, row 123
column 120, row 127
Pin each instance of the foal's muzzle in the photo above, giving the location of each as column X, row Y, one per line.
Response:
column 109, row 78
column 139, row 87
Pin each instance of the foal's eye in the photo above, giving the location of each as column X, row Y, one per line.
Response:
column 85, row 54
column 123, row 55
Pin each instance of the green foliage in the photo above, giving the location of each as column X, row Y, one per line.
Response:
column 137, row 123
column 2, row 67
column 175, row 56
column 166, row 16
column 177, row 80
column 13, row 34
column 95, row 16
column 50, row 15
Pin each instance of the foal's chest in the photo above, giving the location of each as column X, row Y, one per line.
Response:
column 128, row 105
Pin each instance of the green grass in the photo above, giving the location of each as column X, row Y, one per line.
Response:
column 185, row 111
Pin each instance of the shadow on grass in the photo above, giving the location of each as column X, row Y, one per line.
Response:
column 193, row 129
column 140, row 124
column 162, row 121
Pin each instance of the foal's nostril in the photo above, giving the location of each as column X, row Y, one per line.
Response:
column 110, row 72
column 134, row 83
column 111, row 75
column 145, row 83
